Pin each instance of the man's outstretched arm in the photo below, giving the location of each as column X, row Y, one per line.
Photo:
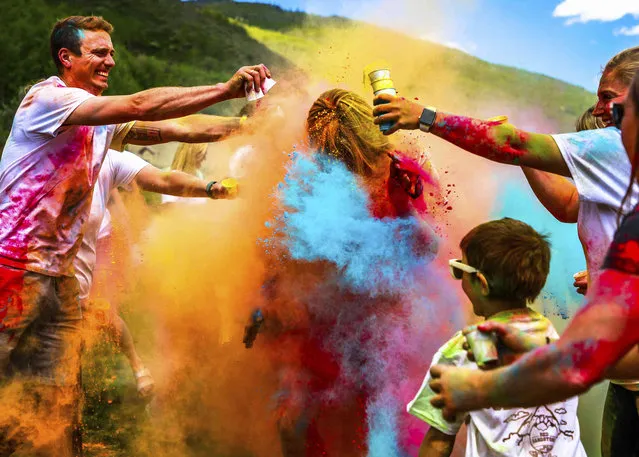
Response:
column 496, row 141
column 196, row 128
column 176, row 183
column 164, row 102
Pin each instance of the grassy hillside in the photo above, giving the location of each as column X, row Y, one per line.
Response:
column 158, row 42
column 295, row 35
column 169, row 42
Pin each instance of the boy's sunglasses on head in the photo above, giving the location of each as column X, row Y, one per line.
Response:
column 457, row 268
column 617, row 112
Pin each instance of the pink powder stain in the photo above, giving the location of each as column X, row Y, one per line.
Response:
column 406, row 177
column 52, row 202
column 628, row 253
column 478, row 137
column 615, row 299
column 11, row 284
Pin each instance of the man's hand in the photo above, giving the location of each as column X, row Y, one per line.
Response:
column 403, row 113
column 581, row 282
column 458, row 390
column 219, row 191
column 516, row 342
column 245, row 77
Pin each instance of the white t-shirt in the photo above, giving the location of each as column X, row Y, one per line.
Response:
column 601, row 170
column 119, row 169
column 550, row 430
column 47, row 173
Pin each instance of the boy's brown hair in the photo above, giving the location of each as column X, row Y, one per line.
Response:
column 514, row 258
column 67, row 33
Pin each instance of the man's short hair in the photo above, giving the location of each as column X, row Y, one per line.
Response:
column 67, row 33
column 514, row 258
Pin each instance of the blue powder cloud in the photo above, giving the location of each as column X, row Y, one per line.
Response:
column 328, row 219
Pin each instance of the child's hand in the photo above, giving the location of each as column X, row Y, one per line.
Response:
column 581, row 282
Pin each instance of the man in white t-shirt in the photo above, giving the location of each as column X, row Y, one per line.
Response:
column 503, row 267
column 51, row 160
column 120, row 170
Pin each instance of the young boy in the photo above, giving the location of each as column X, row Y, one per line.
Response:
column 503, row 268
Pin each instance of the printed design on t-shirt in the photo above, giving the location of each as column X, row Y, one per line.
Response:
column 540, row 430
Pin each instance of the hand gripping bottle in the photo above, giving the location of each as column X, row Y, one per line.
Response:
column 380, row 80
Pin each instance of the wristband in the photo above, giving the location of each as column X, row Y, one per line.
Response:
column 209, row 186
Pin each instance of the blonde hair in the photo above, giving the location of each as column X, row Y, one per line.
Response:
column 624, row 65
column 589, row 122
column 340, row 124
column 185, row 158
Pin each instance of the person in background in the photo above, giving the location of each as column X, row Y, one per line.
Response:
column 563, row 203
column 188, row 159
column 59, row 137
column 585, row 122
column 122, row 170
column 588, row 121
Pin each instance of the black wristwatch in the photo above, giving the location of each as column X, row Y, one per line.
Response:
column 427, row 119
column 209, row 189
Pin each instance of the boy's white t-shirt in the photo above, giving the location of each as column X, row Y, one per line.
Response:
column 119, row 169
column 601, row 171
column 550, row 430
column 47, row 173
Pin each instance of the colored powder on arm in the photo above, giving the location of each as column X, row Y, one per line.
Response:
column 490, row 139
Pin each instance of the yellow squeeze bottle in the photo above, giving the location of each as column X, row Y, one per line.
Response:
column 379, row 76
column 230, row 184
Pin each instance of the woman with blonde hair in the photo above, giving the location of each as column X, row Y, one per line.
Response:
column 588, row 121
column 189, row 158
column 326, row 319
